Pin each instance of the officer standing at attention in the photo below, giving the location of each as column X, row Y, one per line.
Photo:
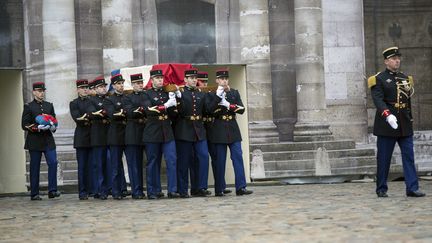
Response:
column 158, row 136
column 39, row 139
column 116, row 133
column 133, row 104
column 79, row 112
column 98, row 139
column 225, row 104
column 391, row 93
column 190, row 136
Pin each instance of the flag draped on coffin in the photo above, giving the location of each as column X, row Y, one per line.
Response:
column 173, row 73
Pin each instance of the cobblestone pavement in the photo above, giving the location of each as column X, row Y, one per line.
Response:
column 348, row 212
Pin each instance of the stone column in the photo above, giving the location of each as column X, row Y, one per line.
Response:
column 60, row 57
column 117, row 34
column 311, row 104
column 255, row 52
column 149, row 16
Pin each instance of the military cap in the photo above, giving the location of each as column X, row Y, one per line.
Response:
column 191, row 72
column 136, row 78
column 391, row 51
column 222, row 73
column 203, row 76
column 82, row 83
column 117, row 78
column 98, row 81
column 156, row 72
column 39, row 85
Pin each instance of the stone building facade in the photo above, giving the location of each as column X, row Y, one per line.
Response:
column 307, row 60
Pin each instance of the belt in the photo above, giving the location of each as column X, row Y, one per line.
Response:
column 208, row 119
column 159, row 118
column 401, row 105
column 103, row 121
column 193, row 118
column 138, row 120
column 226, row 117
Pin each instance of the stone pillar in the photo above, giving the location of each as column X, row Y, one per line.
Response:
column 311, row 104
column 89, row 38
column 117, row 34
column 255, row 52
column 60, row 56
column 149, row 16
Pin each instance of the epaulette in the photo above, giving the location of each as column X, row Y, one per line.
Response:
column 411, row 80
column 372, row 81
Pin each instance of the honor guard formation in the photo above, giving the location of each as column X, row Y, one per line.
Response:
column 186, row 125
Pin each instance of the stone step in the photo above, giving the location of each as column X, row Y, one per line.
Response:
column 61, row 156
column 300, row 146
column 310, row 154
column 313, row 138
column 263, row 140
column 263, row 132
column 67, row 175
column 309, row 164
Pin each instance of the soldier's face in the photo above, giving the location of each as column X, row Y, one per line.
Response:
column 39, row 94
column 157, row 82
column 101, row 90
column 204, row 84
column 393, row 63
column 223, row 81
column 82, row 91
column 137, row 86
column 191, row 81
column 119, row 86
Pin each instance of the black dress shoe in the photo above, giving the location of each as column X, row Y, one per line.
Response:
column 201, row 193
column 95, row 196
column 194, row 192
column 137, row 197
column 83, row 197
column 219, row 194
column 415, row 194
column 226, row 191
column 184, row 195
column 160, row 195
column 243, row 191
column 151, row 197
column 119, row 197
column 126, row 193
column 382, row 194
column 103, row 197
column 36, row 198
column 53, row 194
column 208, row 192
column 173, row 195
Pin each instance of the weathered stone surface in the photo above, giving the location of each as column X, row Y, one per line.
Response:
column 343, row 212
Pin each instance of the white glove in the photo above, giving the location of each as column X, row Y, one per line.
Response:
column 178, row 94
column 225, row 103
column 170, row 103
column 392, row 120
column 43, row 127
column 171, row 95
column 220, row 92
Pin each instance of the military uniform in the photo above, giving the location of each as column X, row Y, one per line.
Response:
column 158, row 138
column 79, row 112
column 40, row 141
column 391, row 92
column 191, row 139
column 133, row 104
column 226, row 133
column 98, row 140
column 114, row 106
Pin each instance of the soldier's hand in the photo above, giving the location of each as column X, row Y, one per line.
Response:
column 225, row 103
column 120, row 113
column 170, row 103
column 99, row 113
column 392, row 120
column 154, row 108
column 178, row 94
column 53, row 128
column 81, row 118
column 220, row 92
column 171, row 95
column 43, row 127
column 139, row 110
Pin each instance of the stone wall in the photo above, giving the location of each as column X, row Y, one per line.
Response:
column 344, row 68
